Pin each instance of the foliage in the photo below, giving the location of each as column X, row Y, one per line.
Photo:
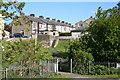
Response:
column 61, row 48
column 103, row 70
column 11, row 10
column 80, row 58
column 27, row 51
column 105, row 37
column 103, row 40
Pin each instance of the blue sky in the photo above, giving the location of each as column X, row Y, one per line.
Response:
column 71, row 12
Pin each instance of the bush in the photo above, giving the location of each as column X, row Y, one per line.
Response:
column 103, row 70
column 81, row 60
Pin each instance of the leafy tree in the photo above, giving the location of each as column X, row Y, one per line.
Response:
column 105, row 35
column 24, row 50
column 11, row 10
column 103, row 40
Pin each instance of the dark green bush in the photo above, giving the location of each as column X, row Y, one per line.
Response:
column 103, row 70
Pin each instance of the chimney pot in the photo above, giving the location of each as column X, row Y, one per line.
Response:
column 48, row 18
column 69, row 23
column 41, row 17
column 53, row 19
column 33, row 15
column 58, row 20
column 66, row 22
column 63, row 21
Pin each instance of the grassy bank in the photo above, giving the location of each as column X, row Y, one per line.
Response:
column 61, row 48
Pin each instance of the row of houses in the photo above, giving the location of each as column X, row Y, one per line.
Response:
column 43, row 25
column 47, row 26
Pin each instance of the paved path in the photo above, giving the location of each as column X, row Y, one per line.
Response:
column 79, row 77
column 71, row 75
column 56, row 54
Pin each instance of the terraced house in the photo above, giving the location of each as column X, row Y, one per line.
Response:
column 43, row 26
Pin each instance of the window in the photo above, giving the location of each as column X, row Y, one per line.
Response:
column 81, row 25
column 64, row 28
column 53, row 33
column 22, row 32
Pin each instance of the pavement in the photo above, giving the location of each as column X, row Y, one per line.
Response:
column 56, row 54
column 79, row 77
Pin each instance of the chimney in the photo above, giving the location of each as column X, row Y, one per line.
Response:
column 63, row 21
column 41, row 17
column 66, row 22
column 48, row 18
column 58, row 20
column 69, row 23
column 33, row 15
column 53, row 19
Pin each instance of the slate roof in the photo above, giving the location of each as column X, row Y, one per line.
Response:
column 34, row 19
column 79, row 30
column 50, row 22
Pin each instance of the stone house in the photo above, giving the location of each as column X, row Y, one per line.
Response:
column 84, row 24
column 42, row 26
column 81, row 28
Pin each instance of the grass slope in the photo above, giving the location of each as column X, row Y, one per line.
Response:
column 61, row 48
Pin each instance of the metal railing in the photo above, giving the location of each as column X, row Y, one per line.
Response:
column 39, row 69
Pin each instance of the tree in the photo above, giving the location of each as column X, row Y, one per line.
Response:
column 103, row 40
column 11, row 10
column 23, row 50
column 105, row 37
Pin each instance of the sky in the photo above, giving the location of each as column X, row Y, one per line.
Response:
column 70, row 12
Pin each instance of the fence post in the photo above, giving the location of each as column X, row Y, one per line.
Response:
column 6, row 73
column 71, row 65
column 108, row 64
column 57, row 66
column 48, row 65
column 89, row 67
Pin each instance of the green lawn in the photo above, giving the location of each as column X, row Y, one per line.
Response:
column 48, row 53
column 61, row 48
column 103, row 76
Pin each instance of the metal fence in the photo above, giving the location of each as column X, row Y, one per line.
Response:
column 35, row 70
column 90, row 68
column 96, row 68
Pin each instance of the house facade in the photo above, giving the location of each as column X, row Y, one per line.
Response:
column 42, row 25
column 84, row 24
column 81, row 28
column 1, row 26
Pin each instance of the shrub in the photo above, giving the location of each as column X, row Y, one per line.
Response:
column 81, row 60
column 103, row 70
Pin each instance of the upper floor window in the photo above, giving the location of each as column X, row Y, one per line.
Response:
column 81, row 25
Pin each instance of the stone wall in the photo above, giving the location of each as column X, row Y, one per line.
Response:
column 48, row 40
